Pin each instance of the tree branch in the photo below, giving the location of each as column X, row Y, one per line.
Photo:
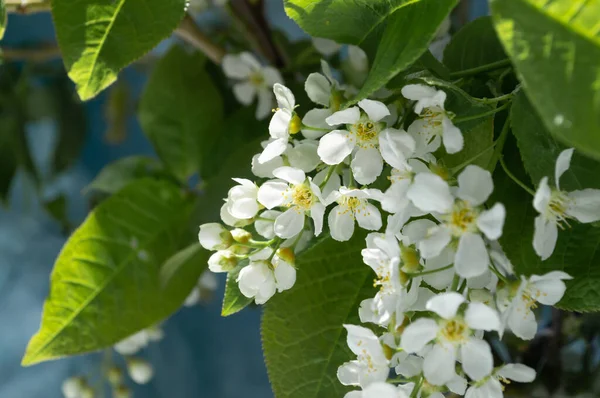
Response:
column 189, row 31
column 27, row 6
column 41, row 54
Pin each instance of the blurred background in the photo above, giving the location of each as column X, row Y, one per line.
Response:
column 67, row 144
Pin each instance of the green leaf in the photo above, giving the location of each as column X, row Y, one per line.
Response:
column 105, row 284
column 555, row 47
column 233, row 300
column 180, row 273
column 303, row 338
column 57, row 209
column 474, row 45
column 116, row 175
column 9, row 161
column 99, row 38
column 3, row 18
column 181, row 111
column 406, row 37
column 539, row 150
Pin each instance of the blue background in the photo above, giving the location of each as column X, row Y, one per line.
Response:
column 203, row 354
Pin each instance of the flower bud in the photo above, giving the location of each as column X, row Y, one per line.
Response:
column 239, row 249
column 86, row 392
column 440, row 171
column 410, row 259
column 481, row 296
column 139, row 370
column 295, row 124
column 122, row 391
column 241, row 235
column 214, row 236
column 115, row 376
column 72, row 387
column 222, row 261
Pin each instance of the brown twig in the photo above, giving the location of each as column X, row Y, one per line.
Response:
column 189, row 31
column 41, row 54
column 27, row 6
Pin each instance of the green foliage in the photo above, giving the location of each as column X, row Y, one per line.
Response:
column 474, row 45
column 98, row 39
column 116, row 175
column 181, row 112
column 233, row 300
column 304, row 341
column 3, row 18
column 479, row 142
column 57, row 209
column 416, row 23
column 576, row 251
column 106, row 282
column 555, row 47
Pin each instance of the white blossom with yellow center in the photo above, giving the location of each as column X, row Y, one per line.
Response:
column 371, row 365
column 556, row 207
column 518, row 300
column 451, row 335
column 367, row 138
column 353, row 205
column 491, row 386
column 462, row 219
column 252, row 80
column 434, row 126
column 299, row 195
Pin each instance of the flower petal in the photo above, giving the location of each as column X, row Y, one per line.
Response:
column 517, row 372
column 347, row 116
column 563, row 162
column 396, row 146
column 279, row 125
column 318, row 89
column 433, row 245
column 271, row 76
column 476, row 357
column 418, row 334
column 445, row 304
column 481, row 317
column 265, row 103
column 348, row 373
column 369, row 218
column 544, row 237
column 472, row 258
column 285, row 276
column 341, row 224
column 290, row 223
column 317, row 213
column 374, row 109
column 475, row 185
column 452, row 137
column 290, row 174
column 326, row 47
column 430, row 193
column 273, row 149
column 439, row 364
column 315, row 118
column 285, row 97
column 265, row 170
column 334, row 147
column 271, row 193
column 234, row 68
column 417, row 92
column 491, row 221
column 244, row 92
column 585, row 205
column 366, row 165
column 541, row 200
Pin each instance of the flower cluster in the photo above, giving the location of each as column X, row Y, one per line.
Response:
column 443, row 279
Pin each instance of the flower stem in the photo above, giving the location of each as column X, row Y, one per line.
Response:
column 455, row 283
column 499, row 145
column 496, row 99
column 481, row 69
column 498, row 273
column 481, row 115
column 432, row 271
column 327, row 176
column 417, row 388
column 515, row 179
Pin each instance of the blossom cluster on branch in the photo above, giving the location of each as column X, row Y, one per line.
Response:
column 443, row 279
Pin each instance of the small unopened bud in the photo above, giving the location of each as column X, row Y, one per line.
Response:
column 222, row 261
column 410, row 259
column 214, row 236
column 388, row 351
column 287, row 255
column 335, row 100
column 481, row 296
column 115, row 376
column 122, row 391
column 72, row 387
column 139, row 370
column 86, row 392
column 239, row 249
column 241, row 235
column 295, row 124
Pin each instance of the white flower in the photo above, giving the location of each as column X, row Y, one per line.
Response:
column 434, row 125
column 452, row 334
column 371, row 366
column 139, row 370
column 491, row 387
column 557, row 206
column 242, row 200
column 353, row 205
column 378, row 390
column 462, row 217
column 517, row 306
column 358, row 59
column 264, row 223
column 261, row 278
column 222, row 261
column 299, row 154
column 214, row 236
column 367, row 138
column 72, row 387
column 299, row 194
column 285, row 122
column 254, row 81
column 326, row 47
column 139, row 340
